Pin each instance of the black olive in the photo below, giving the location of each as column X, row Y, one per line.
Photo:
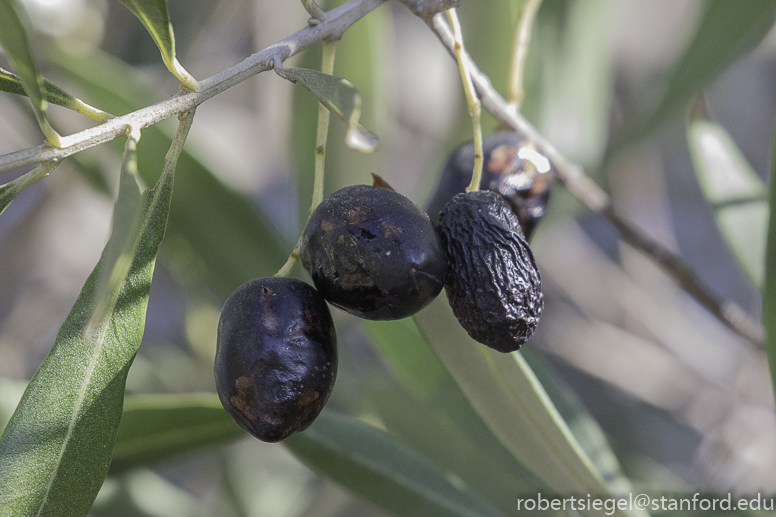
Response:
column 276, row 356
column 372, row 252
column 493, row 285
column 511, row 166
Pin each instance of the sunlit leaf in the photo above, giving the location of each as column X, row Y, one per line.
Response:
column 375, row 466
column 157, row 427
column 11, row 83
column 735, row 192
column 154, row 16
column 10, row 190
column 13, row 38
column 504, row 391
column 727, row 31
column 769, row 291
column 339, row 97
column 56, row 449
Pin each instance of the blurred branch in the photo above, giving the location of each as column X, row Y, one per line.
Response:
column 426, row 9
column 596, row 199
column 336, row 22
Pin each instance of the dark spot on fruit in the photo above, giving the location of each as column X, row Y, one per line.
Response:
column 493, row 285
column 276, row 356
column 382, row 260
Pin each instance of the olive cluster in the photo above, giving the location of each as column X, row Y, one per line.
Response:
column 371, row 252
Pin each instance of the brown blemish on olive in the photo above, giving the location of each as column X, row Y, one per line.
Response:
column 326, row 225
column 390, row 230
column 357, row 215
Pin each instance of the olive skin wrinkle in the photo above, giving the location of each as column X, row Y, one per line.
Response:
column 373, row 253
column 276, row 356
column 493, row 285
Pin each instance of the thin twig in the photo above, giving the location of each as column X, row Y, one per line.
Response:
column 597, row 200
column 337, row 22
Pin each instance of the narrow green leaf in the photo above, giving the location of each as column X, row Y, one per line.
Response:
column 216, row 236
column 154, row 16
column 735, row 192
column 157, row 427
column 56, row 449
column 341, row 98
column 372, row 464
column 769, row 291
column 11, row 83
column 13, row 38
column 727, row 31
column 503, row 389
column 10, row 190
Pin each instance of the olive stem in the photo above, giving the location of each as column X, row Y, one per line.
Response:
column 327, row 67
column 472, row 101
column 522, row 41
column 581, row 186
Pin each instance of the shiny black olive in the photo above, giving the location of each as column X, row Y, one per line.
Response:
column 276, row 356
column 493, row 285
column 372, row 252
column 511, row 166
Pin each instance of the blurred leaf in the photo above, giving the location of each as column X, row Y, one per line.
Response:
column 157, row 427
column 11, row 83
column 735, row 192
column 215, row 235
column 503, row 389
column 433, row 416
column 10, row 190
column 13, row 38
column 143, row 493
column 372, row 464
column 769, row 291
column 339, row 97
column 56, row 449
column 727, row 31
column 154, row 16
column 10, row 393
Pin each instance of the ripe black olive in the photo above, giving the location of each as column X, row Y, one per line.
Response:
column 511, row 166
column 493, row 285
column 276, row 356
column 372, row 252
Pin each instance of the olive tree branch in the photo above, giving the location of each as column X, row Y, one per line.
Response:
column 597, row 200
column 337, row 21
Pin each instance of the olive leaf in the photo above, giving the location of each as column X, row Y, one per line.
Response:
column 509, row 397
column 154, row 16
column 727, row 30
column 374, row 465
column 56, row 449
column 13, row 38
column 10, row 190
column 341, row 98
column 11, row 83
column 737, row 195
column 156, row 427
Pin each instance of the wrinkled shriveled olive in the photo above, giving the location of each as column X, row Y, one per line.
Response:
column 492, row 285
column 276, row 357
column 372, row 252
column 511, row 166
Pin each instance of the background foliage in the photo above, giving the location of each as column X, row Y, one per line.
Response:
column 684, row 404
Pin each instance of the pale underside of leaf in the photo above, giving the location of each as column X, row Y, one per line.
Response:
column 510, row 399
column 341, row 98
column 737, row 195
